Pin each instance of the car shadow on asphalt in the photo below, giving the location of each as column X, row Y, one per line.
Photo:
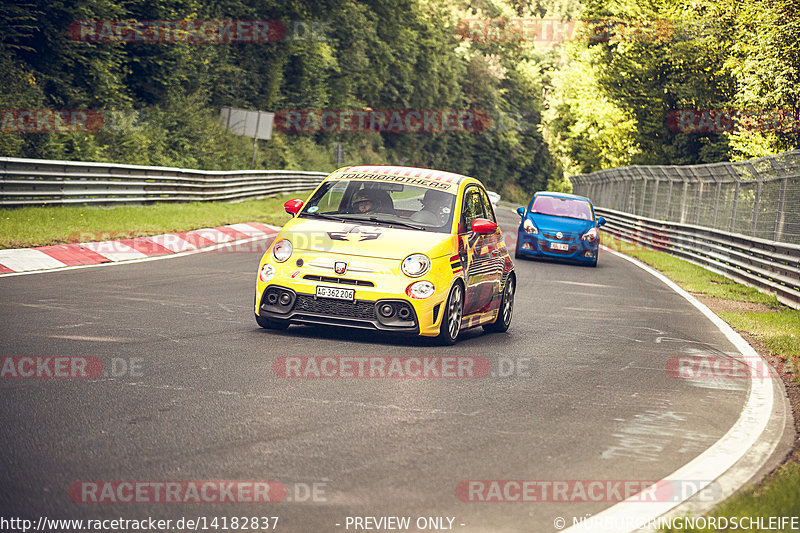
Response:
column 553, row 261
column 367, row 336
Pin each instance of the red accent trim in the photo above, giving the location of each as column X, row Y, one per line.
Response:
column 262, row 227
column 73, row 254
column 438, row 175
column 4, row 269
column 293, row 206
column 237, row 235
column 146, row 246
column 193, row 238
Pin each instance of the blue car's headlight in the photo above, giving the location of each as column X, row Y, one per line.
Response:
column 529, row 227
column 590, row 235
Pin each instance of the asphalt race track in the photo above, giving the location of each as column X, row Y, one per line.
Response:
column 588, row 398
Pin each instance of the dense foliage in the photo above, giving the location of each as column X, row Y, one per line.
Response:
column 613, row 97
column 162, row 100
column 555, row 108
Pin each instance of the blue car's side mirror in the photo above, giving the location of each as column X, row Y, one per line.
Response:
column 521, row 212
column 600, row 221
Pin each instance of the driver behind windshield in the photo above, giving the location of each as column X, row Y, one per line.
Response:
column 364, row 202
column 369, row 201
column 437, row 203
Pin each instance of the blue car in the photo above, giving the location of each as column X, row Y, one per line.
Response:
column 559, row 226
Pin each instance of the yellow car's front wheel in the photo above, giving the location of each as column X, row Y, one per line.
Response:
column 453, row 312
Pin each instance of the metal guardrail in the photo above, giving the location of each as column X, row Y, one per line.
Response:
column 38, row 182
column 759, row 197
column 769, row 265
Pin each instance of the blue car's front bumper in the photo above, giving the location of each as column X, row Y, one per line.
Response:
column 541, row 245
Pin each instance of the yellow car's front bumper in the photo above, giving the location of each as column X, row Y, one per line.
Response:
column 376, row 282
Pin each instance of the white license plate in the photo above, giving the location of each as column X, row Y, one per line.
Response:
column 336, row 293
column 559, row 246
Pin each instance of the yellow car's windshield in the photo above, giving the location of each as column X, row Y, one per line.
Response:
column 409, row 206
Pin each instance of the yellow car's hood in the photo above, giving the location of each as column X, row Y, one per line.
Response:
column 355, row 238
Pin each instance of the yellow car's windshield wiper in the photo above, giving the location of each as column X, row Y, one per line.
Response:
column 388, row 222
column 322, row 215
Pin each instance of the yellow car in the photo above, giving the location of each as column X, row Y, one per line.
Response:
column 395, row 249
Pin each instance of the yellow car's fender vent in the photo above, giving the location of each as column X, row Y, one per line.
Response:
column 342, row 281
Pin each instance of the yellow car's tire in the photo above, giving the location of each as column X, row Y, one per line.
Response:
column 270, row 323
column 451, row 320
column 503, row 319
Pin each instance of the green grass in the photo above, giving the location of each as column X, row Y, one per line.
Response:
column 694, row 278
column 780, row 332
column 778, row 496
column 41, row 226
column 778, row 328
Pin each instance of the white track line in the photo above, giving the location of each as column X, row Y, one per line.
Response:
column 630, row 515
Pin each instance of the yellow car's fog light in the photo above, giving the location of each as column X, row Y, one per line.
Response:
column 420, row 290
column 266, row 273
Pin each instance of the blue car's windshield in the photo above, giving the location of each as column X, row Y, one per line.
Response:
column 562, row 207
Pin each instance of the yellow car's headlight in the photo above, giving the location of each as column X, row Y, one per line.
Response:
column 415, row 265
column 282, row 250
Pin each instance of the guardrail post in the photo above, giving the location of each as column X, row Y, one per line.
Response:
column 669, row 198
column 779, row 215
column 683, row 199
column 642, row 199
column 631, row 207
column 655, row 198
column 699, row 199
column 781, row 209
column 735, row 204
column 699, row 202
column 754, row 223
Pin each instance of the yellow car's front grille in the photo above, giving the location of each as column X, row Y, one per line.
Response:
column 342, row 281
column 336, row 308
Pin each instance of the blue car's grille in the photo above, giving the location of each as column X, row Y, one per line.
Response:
column 566, row 236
